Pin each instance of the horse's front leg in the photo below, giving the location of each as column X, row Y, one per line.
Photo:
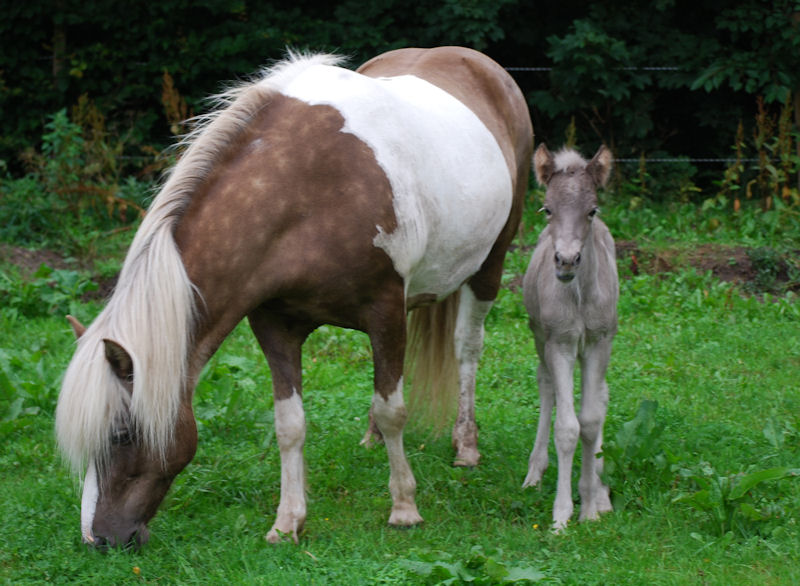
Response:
column 594, row 401
column 469, row 334
column 560, row 359
column 282, row 346
column 538, row 461
column 387, row 332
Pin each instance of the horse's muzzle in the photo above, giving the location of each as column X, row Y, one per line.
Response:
column 134, row 540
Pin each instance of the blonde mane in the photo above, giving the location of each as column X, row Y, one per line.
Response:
column 152, row 312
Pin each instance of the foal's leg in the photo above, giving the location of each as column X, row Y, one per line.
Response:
column 560, row 358
column 468, row 346
column 387, row 333
column 594, row 400
column 282, row 346
column 539, row 459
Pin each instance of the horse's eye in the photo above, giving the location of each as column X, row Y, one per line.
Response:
column 593, row 212
column 546, row 211
column 121, row 437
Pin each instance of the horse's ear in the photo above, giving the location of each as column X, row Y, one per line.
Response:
column 543, row 165
column 599, row 168
column 77, row 326
column 119, row 359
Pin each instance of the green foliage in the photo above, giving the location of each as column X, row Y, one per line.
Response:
column 478, row 568
column 26, row 385
column 768, row 264
column 731, row 501
column 73, row 192
column 47, row 292
column 635, row 458
column 753, row 33
column 592, row 78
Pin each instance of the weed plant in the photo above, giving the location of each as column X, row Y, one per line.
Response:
column 74, row 193
column 702, row 450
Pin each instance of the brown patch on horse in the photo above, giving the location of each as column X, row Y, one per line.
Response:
column 286, row 223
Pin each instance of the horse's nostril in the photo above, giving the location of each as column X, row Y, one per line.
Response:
column 577, row 259
column 558, row 259
column 100, row 543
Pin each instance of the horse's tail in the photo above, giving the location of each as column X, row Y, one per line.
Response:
column 431, row 364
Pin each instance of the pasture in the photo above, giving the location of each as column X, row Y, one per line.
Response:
column 702, row 441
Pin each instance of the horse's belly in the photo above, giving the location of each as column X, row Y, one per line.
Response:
column 451, row 185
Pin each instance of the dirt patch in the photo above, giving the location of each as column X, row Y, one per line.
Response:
column 29, row 261
column 728, row 263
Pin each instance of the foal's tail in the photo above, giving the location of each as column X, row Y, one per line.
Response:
column 431, row 364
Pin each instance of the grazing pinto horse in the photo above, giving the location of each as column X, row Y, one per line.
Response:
column 314, row 195
column 571, row 290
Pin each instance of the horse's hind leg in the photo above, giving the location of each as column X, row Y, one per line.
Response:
column 594, row 399
column 282, row 347
column 468, row 346
column 387, row 333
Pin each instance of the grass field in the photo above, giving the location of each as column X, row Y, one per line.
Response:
column 702, row 451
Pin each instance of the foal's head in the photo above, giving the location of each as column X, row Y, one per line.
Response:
column 571, row 201
column 125, row 483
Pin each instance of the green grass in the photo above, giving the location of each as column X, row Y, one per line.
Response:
column 721, row 366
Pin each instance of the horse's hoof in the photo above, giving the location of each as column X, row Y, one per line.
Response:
column 371, row 439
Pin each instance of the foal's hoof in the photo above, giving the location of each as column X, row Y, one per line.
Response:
column 405, row 516
column 275, row 536
column 467, row 458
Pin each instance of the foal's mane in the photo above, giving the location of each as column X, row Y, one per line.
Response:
column 568, row 159
column 153, row 310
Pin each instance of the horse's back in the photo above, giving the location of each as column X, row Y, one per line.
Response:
column 475, row 80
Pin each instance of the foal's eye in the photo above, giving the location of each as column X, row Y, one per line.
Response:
column 593, row 212
column 546, row 211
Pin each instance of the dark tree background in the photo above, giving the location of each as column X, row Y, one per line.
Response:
column 602, row 86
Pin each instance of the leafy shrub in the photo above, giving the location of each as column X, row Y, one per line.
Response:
column 731, row 502
column 636, row 458
column 73, row 189
column 49, row 291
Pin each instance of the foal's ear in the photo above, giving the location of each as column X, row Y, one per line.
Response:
column 77, row 326
column 543, row 165
column 119, row 359
column 599, row 168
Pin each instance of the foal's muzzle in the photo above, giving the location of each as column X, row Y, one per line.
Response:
column 566, row 266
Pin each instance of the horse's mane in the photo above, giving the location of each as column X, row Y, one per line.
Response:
column 153, row 309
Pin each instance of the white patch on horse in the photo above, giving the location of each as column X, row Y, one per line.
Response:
column 91, row 492
column 290, row 429
column 390, row 416
column 450, row 181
